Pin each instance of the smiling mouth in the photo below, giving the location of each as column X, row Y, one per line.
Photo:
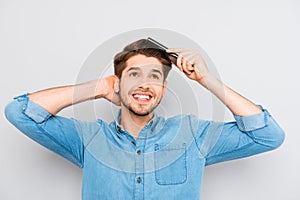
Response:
column 141, row 97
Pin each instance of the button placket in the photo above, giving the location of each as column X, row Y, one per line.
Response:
column 139, row 168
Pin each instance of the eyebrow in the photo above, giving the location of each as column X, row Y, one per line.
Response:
column 139, row 69
column 157, row 71
column 133, row 68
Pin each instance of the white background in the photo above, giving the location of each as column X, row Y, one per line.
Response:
column 254, row 45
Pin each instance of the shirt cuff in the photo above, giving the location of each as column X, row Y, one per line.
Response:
column 252, row 122
column 33, row 110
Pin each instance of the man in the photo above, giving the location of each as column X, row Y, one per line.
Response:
column 141, row 155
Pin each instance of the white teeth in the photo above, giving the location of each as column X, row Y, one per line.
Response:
column 141, row 96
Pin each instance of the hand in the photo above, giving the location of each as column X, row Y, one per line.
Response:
column 105, row 89
column 191, row 63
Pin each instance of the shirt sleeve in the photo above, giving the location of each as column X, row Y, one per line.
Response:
column 61, row 135
column 247, row 136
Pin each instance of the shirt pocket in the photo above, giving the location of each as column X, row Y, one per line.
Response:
column 170, row 164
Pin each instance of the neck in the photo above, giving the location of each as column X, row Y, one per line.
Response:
column 133, row 123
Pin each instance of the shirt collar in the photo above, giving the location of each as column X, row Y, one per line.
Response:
column 155, row 124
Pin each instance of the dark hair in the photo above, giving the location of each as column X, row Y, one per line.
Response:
column 145, row 48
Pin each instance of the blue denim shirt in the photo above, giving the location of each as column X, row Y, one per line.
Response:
column 165, row 162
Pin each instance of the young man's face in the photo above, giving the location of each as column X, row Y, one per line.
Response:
column 142, row 84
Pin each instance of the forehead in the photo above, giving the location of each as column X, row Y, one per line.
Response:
column 142, row 60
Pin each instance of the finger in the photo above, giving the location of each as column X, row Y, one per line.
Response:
column 184, row 52
column 183, row 63
column 175, row 50
column 184, row 66
column 178, row 62
column 188, row 55
column 192, row 59
column 190, row 67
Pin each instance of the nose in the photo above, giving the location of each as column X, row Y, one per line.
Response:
column 143, row 82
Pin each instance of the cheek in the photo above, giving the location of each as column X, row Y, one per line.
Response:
column 128, row 84
column 159, row 91
column 125, row 90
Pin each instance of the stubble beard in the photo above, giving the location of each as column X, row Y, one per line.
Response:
column 135, row 111
column 138, row 112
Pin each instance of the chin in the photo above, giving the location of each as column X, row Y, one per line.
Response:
column 139, row 109
column 140, row 113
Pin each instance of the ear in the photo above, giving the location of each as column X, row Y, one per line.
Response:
column 164, row 87
column 117, row 86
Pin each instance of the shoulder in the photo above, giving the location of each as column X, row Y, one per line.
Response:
column 184, row 118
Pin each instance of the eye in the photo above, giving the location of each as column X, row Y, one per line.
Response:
column 155, row 76
column 133, row 74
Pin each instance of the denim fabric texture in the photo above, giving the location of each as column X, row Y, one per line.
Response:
column 165, row 162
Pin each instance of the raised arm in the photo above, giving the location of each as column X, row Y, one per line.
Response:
column 55, row 99
column 191, row 63
column 254, row 130
column 35, row 116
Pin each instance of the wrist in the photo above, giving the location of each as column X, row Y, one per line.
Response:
column 98, row 89
column 206, row 80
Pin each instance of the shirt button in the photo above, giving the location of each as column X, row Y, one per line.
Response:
column 138, row 152
column 139, row 179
